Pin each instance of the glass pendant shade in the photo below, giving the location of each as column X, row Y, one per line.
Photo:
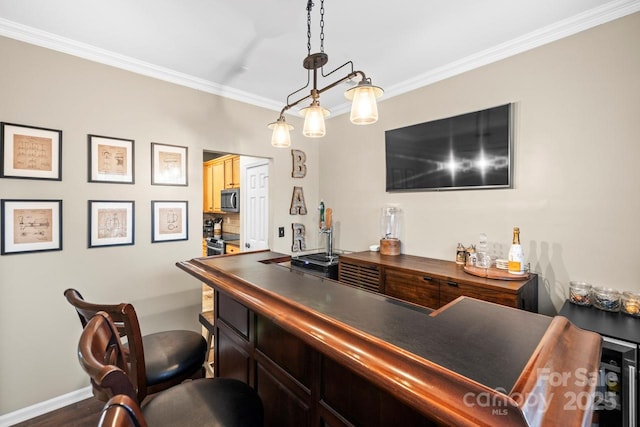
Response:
column 280, row 138
column 364, row 108
column 314, row 120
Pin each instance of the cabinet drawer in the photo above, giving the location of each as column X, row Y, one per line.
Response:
column 416, row 288
column 450, row 290
column 232, row 249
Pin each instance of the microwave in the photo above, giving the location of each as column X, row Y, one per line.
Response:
column 230, row 200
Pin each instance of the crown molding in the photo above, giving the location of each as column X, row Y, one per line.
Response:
column 51, row 41
column 589, row 19
column 565, row 28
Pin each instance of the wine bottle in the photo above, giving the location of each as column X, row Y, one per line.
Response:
column 516, row 255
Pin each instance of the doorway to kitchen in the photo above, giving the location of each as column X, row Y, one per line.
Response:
column 235, row 203
column 256, row 219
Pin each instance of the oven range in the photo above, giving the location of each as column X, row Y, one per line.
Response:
column 215, row 246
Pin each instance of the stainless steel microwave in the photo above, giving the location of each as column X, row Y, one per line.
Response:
column 230, row 200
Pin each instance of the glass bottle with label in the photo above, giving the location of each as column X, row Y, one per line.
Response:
column 484, row 260
column 516, row 254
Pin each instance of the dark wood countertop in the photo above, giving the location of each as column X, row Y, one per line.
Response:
column 446, row 270
column 426, row 357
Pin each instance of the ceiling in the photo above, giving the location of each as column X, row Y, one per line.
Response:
column 252, row 51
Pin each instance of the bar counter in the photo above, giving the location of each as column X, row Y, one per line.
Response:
column 467, row 363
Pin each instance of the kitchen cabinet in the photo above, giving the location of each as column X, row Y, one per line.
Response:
column 207, row 186
column 231, row 172
column 432, row 283
column 219, row 174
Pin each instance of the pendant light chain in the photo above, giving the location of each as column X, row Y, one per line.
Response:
column 322, row 26
column 309, row 7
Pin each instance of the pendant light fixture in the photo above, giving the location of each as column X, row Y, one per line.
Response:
column 364, row 109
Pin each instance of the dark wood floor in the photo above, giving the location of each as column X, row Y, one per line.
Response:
column 85, row 413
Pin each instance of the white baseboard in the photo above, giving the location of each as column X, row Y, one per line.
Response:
column 43, row 407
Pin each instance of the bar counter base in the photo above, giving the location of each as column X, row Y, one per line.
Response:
column 315, row 363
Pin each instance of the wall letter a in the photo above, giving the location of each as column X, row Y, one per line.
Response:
column 298, row 207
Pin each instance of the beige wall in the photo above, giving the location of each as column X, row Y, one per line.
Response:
column 577, row 148
column 575, row 195
column 39, row 87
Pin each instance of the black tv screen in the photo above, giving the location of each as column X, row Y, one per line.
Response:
column 469, row 151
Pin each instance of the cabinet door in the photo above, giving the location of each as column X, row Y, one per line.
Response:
column 232, row 357
column 228, row 174
column 450, row 290
column 348, row 399
column 365, row 276
column 218, row 183
column 232, row 172
column 236, row 171
column 207, row 187
column 416, row 288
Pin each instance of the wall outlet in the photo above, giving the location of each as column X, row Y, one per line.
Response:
column 280, row 231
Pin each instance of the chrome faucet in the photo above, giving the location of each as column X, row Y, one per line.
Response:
column 329, row 232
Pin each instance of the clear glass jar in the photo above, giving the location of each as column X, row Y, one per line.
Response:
column 607, row 299
column 390, row 222
column 580, row 293
column 631, row 303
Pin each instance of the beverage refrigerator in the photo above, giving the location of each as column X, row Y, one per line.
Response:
column 616, row 392
column 616, row 398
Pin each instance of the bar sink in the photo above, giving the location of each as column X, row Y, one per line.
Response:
column 321, row 263
column 321, row 258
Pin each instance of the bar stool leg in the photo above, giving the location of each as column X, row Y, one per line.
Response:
column 206, row 319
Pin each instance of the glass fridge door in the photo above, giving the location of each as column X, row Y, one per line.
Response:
column 616, row 393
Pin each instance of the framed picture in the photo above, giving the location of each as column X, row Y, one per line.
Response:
column 168, row 164
column 30, row 152
column 31, row 226
column 111, row 160
column 169, row 221
column 111, row 223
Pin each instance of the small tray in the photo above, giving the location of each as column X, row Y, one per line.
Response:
column 494, row 273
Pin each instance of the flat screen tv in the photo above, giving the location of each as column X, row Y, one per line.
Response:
column 469, row 151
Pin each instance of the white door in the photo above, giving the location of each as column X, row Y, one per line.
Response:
column 256, row 211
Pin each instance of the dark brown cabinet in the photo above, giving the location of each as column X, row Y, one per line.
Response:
column 366, row 275
column 450, row 290
column 432, row 283
column 298, row 385
column 417, row 288
column 321, row 353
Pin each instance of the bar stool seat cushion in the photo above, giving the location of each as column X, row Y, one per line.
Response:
column 170, row 354
column 210, row 402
